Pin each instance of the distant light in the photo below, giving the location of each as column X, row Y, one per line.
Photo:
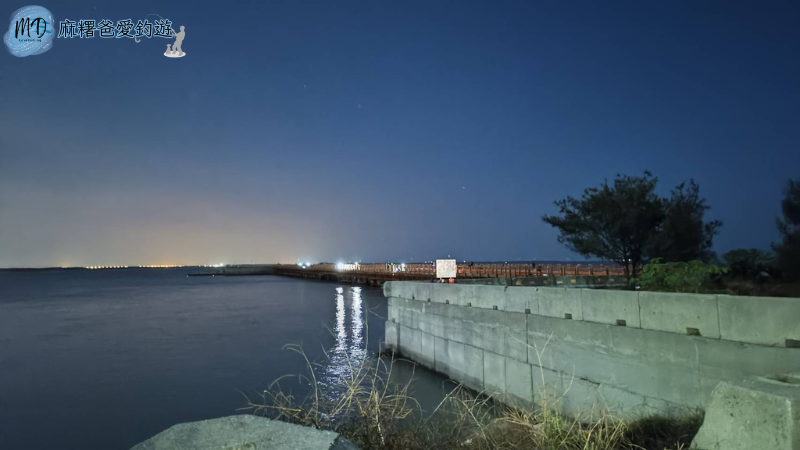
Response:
column 342, row 267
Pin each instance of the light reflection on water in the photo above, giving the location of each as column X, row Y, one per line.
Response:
column 350, row 349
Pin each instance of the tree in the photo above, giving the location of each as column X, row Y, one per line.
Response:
column 748, row 263
column 683, row 236
column 628, row 223
column 614, row 222
column 788, row 250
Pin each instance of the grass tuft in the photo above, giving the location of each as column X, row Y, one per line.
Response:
column 374, row 412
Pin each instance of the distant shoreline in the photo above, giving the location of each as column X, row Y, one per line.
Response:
column 29, row 269
column 568, row 262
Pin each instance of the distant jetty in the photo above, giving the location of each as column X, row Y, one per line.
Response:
column 235, row 270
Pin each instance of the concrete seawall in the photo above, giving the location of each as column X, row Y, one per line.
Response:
column 632, row 353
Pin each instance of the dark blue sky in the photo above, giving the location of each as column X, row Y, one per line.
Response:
column 387, row 130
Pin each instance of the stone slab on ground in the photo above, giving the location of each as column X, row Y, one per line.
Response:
column 759, row 413
column 244, row 432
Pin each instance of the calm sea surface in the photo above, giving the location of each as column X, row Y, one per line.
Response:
column 108, row 358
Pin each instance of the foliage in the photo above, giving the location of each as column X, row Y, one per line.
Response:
column 626, row 222
column 683, row 236
column 788, row 249
column 748, row 263
column 375, row 413
column 614, row 222
column 690, row 276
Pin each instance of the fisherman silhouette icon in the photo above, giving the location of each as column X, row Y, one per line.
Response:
column 176, row 51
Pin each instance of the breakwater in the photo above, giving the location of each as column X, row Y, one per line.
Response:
column 236, row 269
column 487, row 273
column 592, row 350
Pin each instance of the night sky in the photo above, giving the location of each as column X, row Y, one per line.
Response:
column 386, row 130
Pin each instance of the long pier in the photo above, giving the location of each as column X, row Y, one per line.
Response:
column 377, row 274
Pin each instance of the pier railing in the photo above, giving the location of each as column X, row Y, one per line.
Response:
column 464, row 270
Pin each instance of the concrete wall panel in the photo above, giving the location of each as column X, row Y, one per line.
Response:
column 392, row 335
column 592, row 362
column 559, row 302
column 494, row 373
column 489, row 297
column 410, row 342
column 680, row 313
column 521, row 299
column 610, row 307
column 759, row 320
column 461, row 362
column 427, row 351
column 518, row 382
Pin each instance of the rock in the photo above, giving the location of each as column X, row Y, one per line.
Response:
column 244, row 432
column 760, row 413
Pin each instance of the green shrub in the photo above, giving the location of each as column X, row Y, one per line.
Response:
column 748, row 263
column 692, row 276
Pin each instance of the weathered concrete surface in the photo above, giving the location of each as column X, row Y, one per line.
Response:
column 611, row 307
column 759, row 320
column 753, row 414
column 559, row 302
column 244, row 432
column 569, row 346
column 680, row 313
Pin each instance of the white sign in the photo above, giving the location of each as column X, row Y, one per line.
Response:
column 445, row 268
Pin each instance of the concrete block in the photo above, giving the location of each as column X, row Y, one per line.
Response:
column 410, row 342
column 585, row 335
column 460, row 362
column 759, row 320
column 515, row 336
column 656, row 365
column 680, row 313
column 387, row 288
column 482, row 328
column 558, row 302
column 244, row 432
column 653, row 364
column 519, row 386
column 392, row 310
column 521, row 298
column 398, row 289
column 392, row 335
column 489, row 297
column 463, row 295
column 473, row 369
column 498, row 331
column 754, row 414
column 423, row 291
column 591, row 401
column 721, row 360
column 427, row 351
column 409, row 318
column 434, row 324
column 610, row 307
column 494, row 373
column 557, row 391
column 442, row 293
